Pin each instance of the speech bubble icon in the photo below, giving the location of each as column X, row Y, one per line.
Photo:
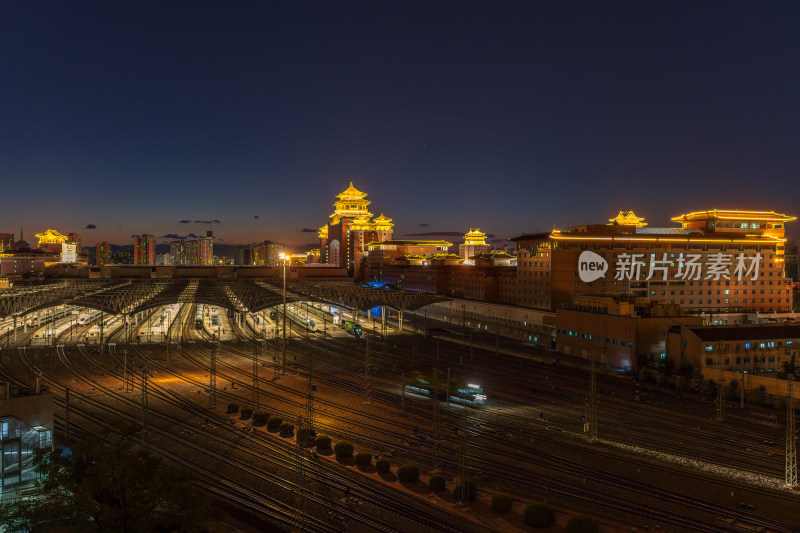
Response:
column 591, row 266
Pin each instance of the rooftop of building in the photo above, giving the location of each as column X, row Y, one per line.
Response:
column 734, row 214
column 409, row 242
column 538, row 236
column 747, row 332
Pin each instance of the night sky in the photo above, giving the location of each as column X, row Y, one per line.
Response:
column 510, row 116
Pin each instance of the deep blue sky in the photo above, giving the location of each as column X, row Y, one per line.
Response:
column 512, row 116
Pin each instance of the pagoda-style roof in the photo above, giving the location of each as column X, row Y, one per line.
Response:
column 627, row 218
column 383, row 223
column 734, row 214
column 322, row 233
column 51, row 236
column 351, row 193
column 361, row 223
column 351, row 204
column 474, row 237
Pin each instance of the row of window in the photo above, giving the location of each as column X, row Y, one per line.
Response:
column 598, row 338
column 763, row 345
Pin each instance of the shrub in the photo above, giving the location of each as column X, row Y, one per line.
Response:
column 323, row 443
column 274, row 423
column 780, row 403
column 286, row 429
column 246, row 413
column 306, row 435
column 260, row 417
column 757, row 395
column 501, row 503
column 232, row 408
column 437, row 482
column 582, row 524
column 686, row 369
column 343, row 450
column 363, row 458
column 539, row 515
column 383, row 466
column 408, row 473
column 466, row 492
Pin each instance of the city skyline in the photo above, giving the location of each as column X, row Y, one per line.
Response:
column 512, row 118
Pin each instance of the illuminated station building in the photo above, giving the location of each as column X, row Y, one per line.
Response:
column 474, row 244
column 344, row 239
column 717, row 261
column 53, row 247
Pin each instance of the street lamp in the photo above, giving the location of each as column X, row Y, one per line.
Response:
column 282, row 256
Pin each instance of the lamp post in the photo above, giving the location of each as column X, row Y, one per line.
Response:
column 282, row 256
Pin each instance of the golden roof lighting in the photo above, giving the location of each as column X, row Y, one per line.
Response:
column 734, row 214
column 382, row 223
column 474, row 237
column 627, row 218
column 51, row 236
column 351, row 204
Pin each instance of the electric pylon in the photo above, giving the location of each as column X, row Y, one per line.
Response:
column 791, row 438
column 212, row 380
column 145, row 436
column 436, row 417
column 367, row 373
column 721, row 401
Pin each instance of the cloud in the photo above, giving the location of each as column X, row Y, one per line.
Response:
column 255, row 216
column 308, row 230
column 442, row 234
column 173, row 236
column 437, row 233
column 184, row 222
column 135, row 236
column 207, row 222
column 220, row 238
column 217, row 222
column 91, row 226
column 424, row 225
column 193, row 236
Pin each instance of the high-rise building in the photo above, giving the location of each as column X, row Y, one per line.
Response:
column 344, row 240
column 193, row 252
column 103, row 254
column 144, row 250
column 6, row 242
column 125, row 257
column 792, row 267
column 244, row 256
column 205, row 252
column 266, row 253
column 74, row 238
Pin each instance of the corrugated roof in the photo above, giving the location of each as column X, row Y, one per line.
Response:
column 530, row 236
column 668, row 231
column 745, row 333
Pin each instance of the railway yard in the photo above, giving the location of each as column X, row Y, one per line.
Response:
column 662, row 463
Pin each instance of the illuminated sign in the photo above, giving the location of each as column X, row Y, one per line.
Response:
column 591, row 266
column 682, row 266
column 68, row 253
